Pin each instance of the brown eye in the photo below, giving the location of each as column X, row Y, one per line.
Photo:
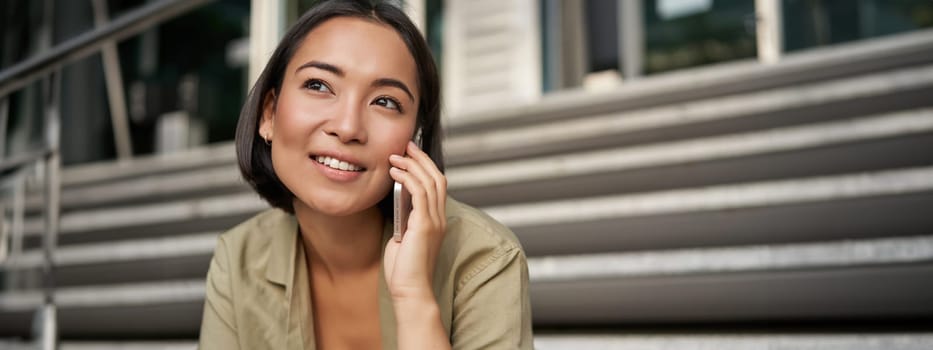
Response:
column 316, row 85
column 388, row 102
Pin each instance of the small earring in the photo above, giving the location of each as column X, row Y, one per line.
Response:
column 267, row 139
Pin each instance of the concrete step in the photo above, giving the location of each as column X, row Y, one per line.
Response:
column 157, row 309
column 150, row 220
column 193, row 183
column 880, row 280
column 821, row 101
column 874, row 278
column 868, row 204
column 700, row 261
column 111, row 262
column 108, row 171
column 850, row 145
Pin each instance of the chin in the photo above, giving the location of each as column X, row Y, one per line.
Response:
column 331, row 207
column 338, row 210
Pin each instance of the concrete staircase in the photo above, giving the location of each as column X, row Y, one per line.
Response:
column 733, row 207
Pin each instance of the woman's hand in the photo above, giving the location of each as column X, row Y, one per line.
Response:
column 409, row 264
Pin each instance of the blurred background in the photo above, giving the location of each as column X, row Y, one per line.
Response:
column 683, row 174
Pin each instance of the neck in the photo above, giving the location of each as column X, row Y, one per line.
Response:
column 341, row 245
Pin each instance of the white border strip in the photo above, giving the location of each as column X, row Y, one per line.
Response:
column 903, row 341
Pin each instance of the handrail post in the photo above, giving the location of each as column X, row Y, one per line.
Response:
column 4, row 122
column 52, row 201
column 114, row 80
column 16, row 225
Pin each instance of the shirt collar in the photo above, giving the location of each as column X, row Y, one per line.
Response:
column 283, row 232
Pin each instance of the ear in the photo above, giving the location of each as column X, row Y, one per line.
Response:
column 267, row 123
column 416, row 138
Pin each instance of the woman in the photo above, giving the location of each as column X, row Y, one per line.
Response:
column 325, row 131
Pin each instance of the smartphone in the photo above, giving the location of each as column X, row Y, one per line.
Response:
column 402, row 202
column 401, row 211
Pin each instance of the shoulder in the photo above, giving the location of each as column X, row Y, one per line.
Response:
column 473, row 226
column 263, row 221
column 252, row 239
column 475, row 243
column 256, row 228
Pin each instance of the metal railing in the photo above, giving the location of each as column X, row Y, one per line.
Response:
column 46, row 66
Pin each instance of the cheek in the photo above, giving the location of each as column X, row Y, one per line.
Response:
column 399, row 139
column 391, row 134
column 296, row 116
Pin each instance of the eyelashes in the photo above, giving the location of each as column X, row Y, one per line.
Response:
column 388, row 102
column 385, row 101
column 316, row 85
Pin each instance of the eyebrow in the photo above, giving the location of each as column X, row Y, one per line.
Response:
column 382, row 82
column 394, row 83
column 321, row 65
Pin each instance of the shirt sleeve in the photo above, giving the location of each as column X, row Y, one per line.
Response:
column 218, row 326
column 492, row 309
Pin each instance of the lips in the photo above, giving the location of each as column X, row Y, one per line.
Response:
column 338, row 164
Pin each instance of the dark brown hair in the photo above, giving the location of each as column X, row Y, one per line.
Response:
column 254, row 154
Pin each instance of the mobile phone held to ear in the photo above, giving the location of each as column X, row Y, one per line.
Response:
column 402, row 202
column 401, row 211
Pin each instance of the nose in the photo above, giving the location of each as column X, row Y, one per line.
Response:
column 347, row 122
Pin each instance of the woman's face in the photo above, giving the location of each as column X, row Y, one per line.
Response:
column 349, row 99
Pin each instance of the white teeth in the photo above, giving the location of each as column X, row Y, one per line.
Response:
column 337, row 164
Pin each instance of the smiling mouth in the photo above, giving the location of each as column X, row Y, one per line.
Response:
column 338, row 164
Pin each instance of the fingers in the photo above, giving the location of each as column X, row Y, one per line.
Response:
column 423, row 184
column 420, row 176
column 440, row 181
column 419, row 196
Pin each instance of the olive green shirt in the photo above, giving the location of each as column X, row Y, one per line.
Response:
column 258, row 291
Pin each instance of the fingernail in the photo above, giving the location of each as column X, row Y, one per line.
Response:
column 394, row 157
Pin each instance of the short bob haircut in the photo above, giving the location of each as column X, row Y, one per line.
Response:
column 253, row 154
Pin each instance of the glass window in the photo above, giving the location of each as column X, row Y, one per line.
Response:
column 813, row 23
column 689, row 33
column 579, row 38
column 582, row 39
